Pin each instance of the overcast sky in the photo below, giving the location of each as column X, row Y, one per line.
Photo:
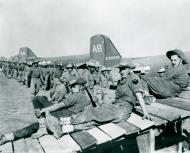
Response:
column 64, row 27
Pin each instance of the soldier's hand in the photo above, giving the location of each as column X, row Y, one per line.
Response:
column 65, row 120
column 37, row 113
column 50, row 100
column 144, row 92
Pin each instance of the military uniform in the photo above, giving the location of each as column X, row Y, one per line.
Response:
column 51, row 72
column 97, row 82
column 35, row 80
column 117, row 111
column 47, row 79
column 15, row 71
column 176, row 79
column 68, row 76
column 107, row 94
column 91, row 81
column 20, row 73
column 58, row 93
column 74, row 103
column 27, row 76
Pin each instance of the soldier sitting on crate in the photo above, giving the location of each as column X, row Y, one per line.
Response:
column 106, row 80
column 176, row 79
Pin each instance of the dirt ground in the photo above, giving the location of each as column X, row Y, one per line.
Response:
column 16, row 110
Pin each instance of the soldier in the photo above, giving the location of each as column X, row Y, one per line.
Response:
column 20, row 69
column 25, row 70
column 73, row 103
column 3, row 67
column 15, row 70
column 1, row 64
column 35, row 78
column 70, row 73
column 11, row 67
column 56, row 71
column 91, row 78
column 177, row 77
column 106, row 78
column 109, row 76
column 43, row 74
column 59, row 91
column 97, row 79
column 28, row 74
column 7, row 69
column 106, row 81
column 162, row 72
column 84, row 72
column 47, row 76
column 51, row 72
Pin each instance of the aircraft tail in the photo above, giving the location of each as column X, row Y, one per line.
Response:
column 103, row 50
column 26, row 54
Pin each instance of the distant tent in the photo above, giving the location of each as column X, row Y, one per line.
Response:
column 26, row 54
column 103, row 50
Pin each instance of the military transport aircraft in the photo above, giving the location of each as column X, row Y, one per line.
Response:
column 103, row 50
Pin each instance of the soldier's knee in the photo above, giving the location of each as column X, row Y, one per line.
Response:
column 35, row 126
column 35, row 100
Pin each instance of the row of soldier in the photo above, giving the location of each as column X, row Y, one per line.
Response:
column 64, row 113
column 38, row 76
column 41, row 76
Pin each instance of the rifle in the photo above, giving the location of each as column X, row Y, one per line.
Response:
column 86, row 88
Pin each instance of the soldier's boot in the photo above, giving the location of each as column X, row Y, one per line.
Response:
column 2, row 140
column 41, row 131
column 6, row 138
column 53, row 125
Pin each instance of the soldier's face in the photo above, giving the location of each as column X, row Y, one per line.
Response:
column 162, row 74
column 36, row 65
column 104, row 72
column 124, row 73
column 92, row 69
column 175, row 60
column 55, row 80
column 75, row 88
column 70, row 69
